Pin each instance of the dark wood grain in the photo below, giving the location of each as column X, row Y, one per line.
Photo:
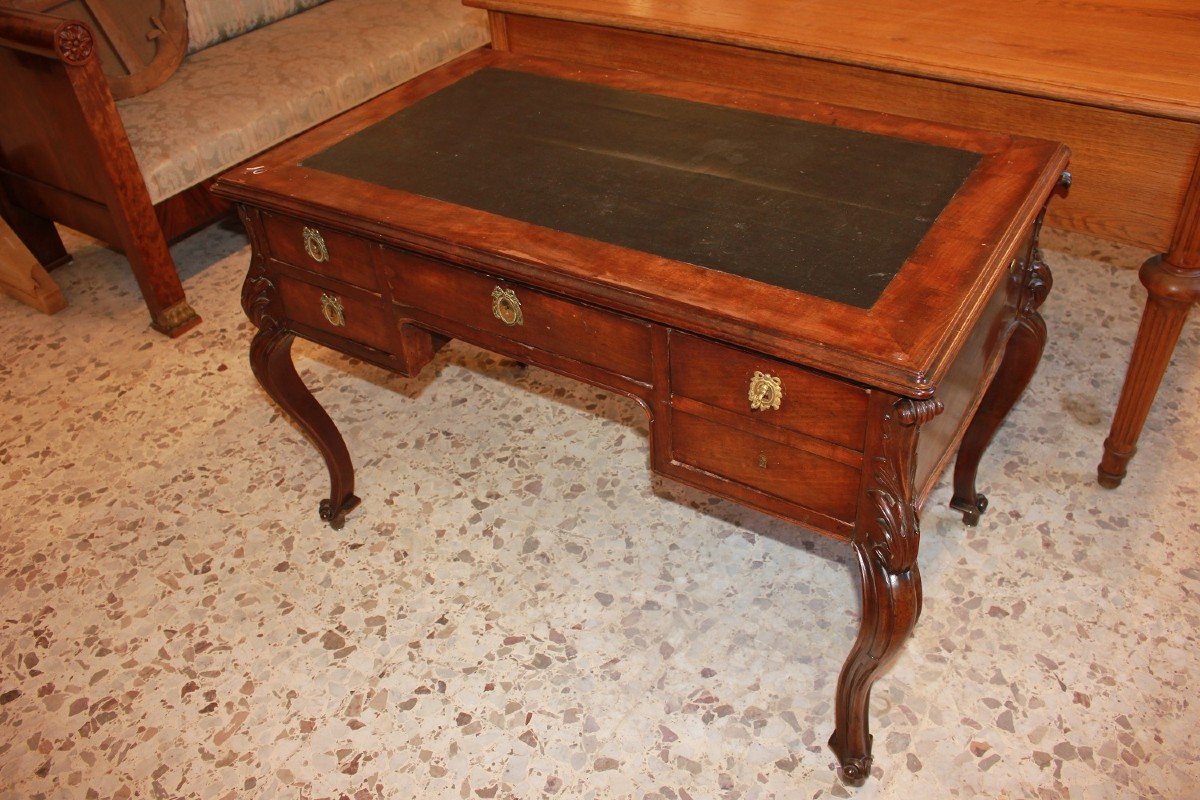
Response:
column 886, row 541
column 766, row 465
column 271, row 360
column 840, row 452
column 192, row 209
column 349, row 258
column 1023, row 344
column 814, row 404
column 581, row 332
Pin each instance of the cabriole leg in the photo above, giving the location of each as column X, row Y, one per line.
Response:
column 886, row 539
column 1022, row 353
column 271, row 360
column 891, row 606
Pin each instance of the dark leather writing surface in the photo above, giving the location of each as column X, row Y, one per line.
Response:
column 823, row 210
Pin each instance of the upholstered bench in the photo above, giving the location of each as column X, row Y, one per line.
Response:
column 134, row 173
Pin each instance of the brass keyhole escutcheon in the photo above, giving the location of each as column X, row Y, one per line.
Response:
column 314, row 245
column 506, row 307
column 331, row 308
column 762, row 460
column 766, row 392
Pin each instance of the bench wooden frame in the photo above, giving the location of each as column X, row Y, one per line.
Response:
column 65, row 157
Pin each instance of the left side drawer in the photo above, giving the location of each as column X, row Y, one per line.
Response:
column 346, row 312
column 316, row 248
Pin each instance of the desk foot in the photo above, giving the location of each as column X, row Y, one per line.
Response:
column 886, row 540
column 336, row 516
column 1022, row 353
column 271, row 360
column 971, row 509
column 855, row 769
column 1171, row 293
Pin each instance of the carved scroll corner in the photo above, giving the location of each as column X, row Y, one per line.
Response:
column 260, row 297
column 911, row 412
column 74, row 43
column 1038, row 283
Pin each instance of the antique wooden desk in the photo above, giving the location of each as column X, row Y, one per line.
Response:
column 1116, row 81
column 810, row 302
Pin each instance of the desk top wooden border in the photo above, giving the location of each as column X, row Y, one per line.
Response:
column 904, row 343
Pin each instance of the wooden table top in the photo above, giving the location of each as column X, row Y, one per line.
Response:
column 1135, row 55
column 903, row 341
column 818, row 209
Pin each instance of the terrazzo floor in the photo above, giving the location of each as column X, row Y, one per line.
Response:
column 519, row 609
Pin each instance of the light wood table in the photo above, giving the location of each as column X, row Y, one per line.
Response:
column 1118, row 82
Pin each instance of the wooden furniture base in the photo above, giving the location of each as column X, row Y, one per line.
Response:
column 814, row 305
column 23, row 278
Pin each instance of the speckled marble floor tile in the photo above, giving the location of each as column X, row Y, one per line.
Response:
column 520, row 610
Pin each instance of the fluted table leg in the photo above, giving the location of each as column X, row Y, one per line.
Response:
column 1173, row 286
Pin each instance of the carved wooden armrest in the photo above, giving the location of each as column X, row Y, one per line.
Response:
column 66, row 40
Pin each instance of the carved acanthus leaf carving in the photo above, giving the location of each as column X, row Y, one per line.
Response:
column 897, row 538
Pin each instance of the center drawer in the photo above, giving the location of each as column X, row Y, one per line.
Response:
column 521, row 314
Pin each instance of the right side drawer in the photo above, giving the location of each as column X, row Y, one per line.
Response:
column 811, row 403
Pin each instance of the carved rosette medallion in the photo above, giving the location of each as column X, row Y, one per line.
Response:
column 75, row 44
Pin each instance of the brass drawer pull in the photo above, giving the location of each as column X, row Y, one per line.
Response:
column 506, row 307
column 314, row 245
column 331, row 308
column 766, row 392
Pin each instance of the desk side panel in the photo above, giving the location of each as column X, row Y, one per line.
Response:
column 965, row 383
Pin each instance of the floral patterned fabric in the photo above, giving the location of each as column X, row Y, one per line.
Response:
column 213, row 21
column 233, row 100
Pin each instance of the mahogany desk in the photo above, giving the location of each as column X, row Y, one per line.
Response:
column 814, row 305
column 1117, row 80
